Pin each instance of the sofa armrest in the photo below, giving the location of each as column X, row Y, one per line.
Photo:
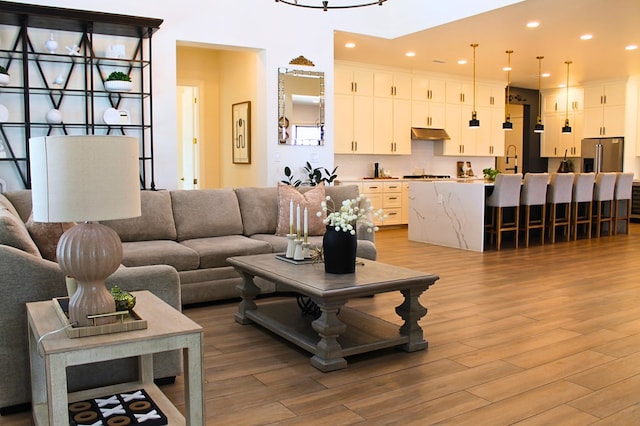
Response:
column 161, row 280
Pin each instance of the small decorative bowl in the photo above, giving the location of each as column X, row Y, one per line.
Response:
column 118, row 85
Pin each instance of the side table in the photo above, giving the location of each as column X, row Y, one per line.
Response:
column 167, row 329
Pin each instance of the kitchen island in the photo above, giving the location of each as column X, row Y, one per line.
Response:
column 448, row 212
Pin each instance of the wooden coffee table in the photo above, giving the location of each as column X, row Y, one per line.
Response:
column 340, row 331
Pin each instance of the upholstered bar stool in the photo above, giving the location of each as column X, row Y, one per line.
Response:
column 622, row 193
column 559, row 195
column 534, row 194
column 603, row 202
column 506, row 195
column 581, row 203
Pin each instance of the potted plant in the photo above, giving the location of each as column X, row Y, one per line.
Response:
column 118, row 82
column 490, row 174
column 4, row 76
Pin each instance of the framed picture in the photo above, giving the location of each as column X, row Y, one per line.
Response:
column 241, row 114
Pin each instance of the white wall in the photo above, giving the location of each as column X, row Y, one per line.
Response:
column 278, row 33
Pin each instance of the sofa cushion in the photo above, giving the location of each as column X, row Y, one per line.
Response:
column 311, row 199
column 206, row 213
column 214, row 251
column 341, row 192
column 155, row 223
column 47, row 235
column 5, row 203
column 14, row 233
column 259, row 209
column 159, row 252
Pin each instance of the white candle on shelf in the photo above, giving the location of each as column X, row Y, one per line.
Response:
column 298, row 220
column 291, row 217
column 306, row 224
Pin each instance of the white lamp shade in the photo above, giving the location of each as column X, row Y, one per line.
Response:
column 84, row 178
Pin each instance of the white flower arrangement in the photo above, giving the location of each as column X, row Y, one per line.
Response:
column 350, row 214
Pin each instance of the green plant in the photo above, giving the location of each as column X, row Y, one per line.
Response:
column 3, row 70
column 490, row 173
column 315, row 175
column 118, row 76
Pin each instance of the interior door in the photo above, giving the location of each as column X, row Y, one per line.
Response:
column 188, row 152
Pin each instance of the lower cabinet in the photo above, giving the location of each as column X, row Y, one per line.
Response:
column 390, row 196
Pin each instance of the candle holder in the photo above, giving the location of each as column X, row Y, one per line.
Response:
column 298, row 250
column 291, row 246
column 305, row 251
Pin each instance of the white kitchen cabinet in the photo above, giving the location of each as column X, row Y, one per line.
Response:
column 388, row 84
column 428, row 108
column 392, row 202
column 459, row 92
column 554, row 143
column 490, row 95
column 405, row 202
column 391, row 126
column 463, row 138
column 604, row 110
column 353, row 124
column 490, row 135
column 353, row 80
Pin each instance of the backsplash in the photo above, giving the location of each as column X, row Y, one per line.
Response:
column 422, row 160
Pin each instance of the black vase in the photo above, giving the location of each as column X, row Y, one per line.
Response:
column 339, row 251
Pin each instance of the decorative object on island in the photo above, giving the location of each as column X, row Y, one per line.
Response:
column 118, row 82
column 325, row 4
column 508, row 125
column 490, row 174
column 474, row 122
column 4, row 76
column 567, row 128
column 340, row 241
column 539, row 127
column 51, row 45
column 85, row 178
column 241, row 113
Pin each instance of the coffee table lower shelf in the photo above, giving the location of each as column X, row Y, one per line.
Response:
column 364, row 332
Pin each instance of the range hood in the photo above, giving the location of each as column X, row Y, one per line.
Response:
column 421, row 133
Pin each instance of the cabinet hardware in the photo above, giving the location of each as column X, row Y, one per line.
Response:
column 355, row 85
column 605, row 99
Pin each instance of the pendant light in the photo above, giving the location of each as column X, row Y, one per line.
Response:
column 474, row 122
column 539, row 127
column 508, row 125
column 566, row 128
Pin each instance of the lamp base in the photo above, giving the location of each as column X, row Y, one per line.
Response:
column 90, row 252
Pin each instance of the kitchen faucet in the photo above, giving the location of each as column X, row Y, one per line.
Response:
column 515, row 158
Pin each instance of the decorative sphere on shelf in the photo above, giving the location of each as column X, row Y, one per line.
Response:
column 51, row 44
column 54, row 116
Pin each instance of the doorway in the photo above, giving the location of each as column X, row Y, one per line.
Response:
column 188, row 150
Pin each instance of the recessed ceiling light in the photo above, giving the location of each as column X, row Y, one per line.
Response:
column 506, row 68
column 586, row 36
column 462, row 61
column 410, row 54
column 533, row 24
column 350, row 45
column 631, row 47
column 545, row 74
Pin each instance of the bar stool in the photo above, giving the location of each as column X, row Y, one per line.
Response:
column 559, row 194
column 603, row 201
column 506, row 194
column 622, row 192
column 534, row 193
column 582, row 199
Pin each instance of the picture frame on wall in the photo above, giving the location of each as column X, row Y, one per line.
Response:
column 241, row 130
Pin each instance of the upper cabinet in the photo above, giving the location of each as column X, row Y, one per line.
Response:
column 353, row 110
column 392, row 85
column 353, row 80
column 59, row 61
column 428, row 107
column 553, row 142
column 604, row 109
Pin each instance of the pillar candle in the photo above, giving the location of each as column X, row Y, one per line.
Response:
column 306, row 224
column 298, row 220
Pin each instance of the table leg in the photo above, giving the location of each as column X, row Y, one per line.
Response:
column 248, row 291
column 411, row 311
column 328, row 354
column 194, row 393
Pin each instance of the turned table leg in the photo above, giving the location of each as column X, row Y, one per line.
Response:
column 410, row 310
column 248, row 291
column 328, row 353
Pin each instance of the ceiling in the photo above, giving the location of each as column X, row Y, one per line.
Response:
column 614, row 24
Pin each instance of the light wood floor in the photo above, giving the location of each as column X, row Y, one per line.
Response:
column 548, row 335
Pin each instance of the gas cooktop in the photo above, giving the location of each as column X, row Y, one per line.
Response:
column 426, row 177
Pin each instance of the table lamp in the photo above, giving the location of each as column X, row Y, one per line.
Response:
column 85, row 179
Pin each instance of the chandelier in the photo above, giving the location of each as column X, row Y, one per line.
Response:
column 335, row 4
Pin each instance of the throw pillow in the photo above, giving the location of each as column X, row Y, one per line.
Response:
column 14, row 233
column 310, row 199
column 46, row 236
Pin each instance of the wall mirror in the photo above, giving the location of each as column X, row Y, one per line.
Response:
column 300, row 107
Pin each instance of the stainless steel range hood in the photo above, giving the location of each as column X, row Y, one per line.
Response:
column 424, row 134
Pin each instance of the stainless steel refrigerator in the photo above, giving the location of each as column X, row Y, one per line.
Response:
column 602, row 154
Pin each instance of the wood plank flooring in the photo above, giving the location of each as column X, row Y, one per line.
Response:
column 545, row 335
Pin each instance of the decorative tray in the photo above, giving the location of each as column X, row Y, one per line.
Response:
column 131, row 408
column 127, row 322
column 291, row 260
